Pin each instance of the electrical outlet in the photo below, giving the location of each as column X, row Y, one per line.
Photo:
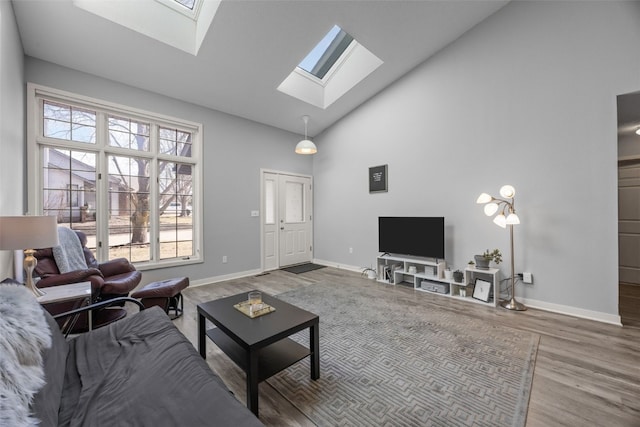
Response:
column 350, row 250
column 224, row 259
column 527, row 277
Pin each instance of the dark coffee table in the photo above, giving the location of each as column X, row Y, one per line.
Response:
column 260, row 346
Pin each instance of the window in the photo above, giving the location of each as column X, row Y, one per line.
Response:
column 189, row 4
column 181, row 24
column 320, row 60
column 126, row 178
column 331, row 69
column 66, row 122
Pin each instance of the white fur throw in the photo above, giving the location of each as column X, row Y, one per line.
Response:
column 24, row 334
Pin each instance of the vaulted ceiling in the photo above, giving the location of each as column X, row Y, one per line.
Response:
column 250, row 48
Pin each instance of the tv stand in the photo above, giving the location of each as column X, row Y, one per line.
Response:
column 427, row 275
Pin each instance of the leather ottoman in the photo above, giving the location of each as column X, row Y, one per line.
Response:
column 166, row 294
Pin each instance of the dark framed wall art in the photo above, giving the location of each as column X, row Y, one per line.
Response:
column 378, row 179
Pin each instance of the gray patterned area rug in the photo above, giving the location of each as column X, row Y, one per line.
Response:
column 389, row 359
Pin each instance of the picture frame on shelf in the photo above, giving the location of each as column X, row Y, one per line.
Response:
column 482, row 290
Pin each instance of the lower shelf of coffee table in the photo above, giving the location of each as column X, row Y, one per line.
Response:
column 272, row 359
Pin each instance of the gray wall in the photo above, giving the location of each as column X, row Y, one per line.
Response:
column 527, row 98
column 12, row 130
column 234, row 151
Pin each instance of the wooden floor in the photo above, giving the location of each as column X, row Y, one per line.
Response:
column 587, row 373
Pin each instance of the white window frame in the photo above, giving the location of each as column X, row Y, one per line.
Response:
column 36, row 140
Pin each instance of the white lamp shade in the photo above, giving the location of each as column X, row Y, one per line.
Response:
column 512, row 219
column 638, row 131
column 28, row 232
column 490, row 209
column 306, row 147
column 507, row 191
column 484, row 198
column 500, row 221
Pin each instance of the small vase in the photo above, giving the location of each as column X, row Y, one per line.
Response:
column 458, row 276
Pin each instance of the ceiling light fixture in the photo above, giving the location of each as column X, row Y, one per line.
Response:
column 638, row 131
column 306, row 146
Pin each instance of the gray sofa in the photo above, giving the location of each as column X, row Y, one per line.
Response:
column 140, row 371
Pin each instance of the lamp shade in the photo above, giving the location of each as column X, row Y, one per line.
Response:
column 507, row 191
column 490, row 208
column 28, row 232
column 500, row 221
column 484, row 198
column 306, row 147
column 512, row 219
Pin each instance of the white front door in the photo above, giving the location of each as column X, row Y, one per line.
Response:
column 287, row 226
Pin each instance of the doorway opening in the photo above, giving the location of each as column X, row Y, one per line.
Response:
column 286, row 227
column 629, row 209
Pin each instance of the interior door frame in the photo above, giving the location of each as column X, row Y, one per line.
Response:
column 262, row 212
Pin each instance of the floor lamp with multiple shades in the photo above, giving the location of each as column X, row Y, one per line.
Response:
column 31, row 232
column 506, row 215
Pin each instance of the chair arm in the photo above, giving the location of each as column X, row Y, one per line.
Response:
column 98, row 305
column 66, row 278
column 115, row 267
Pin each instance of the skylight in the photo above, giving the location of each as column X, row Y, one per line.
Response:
column 331, row 69
column 187, row 3
column 182, row 24
column 320, row 60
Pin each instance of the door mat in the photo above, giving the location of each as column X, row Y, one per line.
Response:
column 302, row 268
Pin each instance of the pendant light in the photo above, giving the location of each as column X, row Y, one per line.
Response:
column 306, row 146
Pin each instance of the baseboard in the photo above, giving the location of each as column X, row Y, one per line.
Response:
column 216, row 279
column 336, row 265
column 598, row 316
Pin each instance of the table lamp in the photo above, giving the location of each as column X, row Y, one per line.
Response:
column 31, row 232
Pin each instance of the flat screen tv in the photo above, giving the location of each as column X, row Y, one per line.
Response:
column 417, row 236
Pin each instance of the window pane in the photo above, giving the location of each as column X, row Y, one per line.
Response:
column 129, row 208
column 326, row 53
column 69, row 123
column 69, row 187
column 269, row 202
column 127, row 133
column 175, row 208
column 187, row 3
column 293, row 202
column 57, row 111
column 175, row 142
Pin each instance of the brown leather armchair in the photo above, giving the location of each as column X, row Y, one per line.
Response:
column 111, row 279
